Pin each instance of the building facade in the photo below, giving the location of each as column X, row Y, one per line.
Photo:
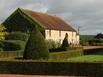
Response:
column 53, row 27
column 58, row 35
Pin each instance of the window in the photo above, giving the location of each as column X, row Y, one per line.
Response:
column 49, row 33
column 72, row 34
column 59, row 33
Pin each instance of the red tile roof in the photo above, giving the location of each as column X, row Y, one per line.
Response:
column 49, row 21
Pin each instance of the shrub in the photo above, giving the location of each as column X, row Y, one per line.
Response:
column 14, row 54
column 51, row 44
column 1, row 45
column 64, row 49
column 96, row 42
column 2, row 32
column 17, row 36
column 1, row 50
column 65, row 42
column 12, row 45
column 93, row 51
column 36, row 46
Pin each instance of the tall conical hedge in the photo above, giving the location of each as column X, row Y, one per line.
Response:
column 65, row 42
column 36, row 46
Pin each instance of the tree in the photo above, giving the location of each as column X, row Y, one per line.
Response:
column 2, row 32
column 65, row 42
column 36, row 46
column 99, row 36
column 2, row 28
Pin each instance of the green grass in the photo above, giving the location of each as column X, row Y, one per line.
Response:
column 81, row 59
column 87, row 58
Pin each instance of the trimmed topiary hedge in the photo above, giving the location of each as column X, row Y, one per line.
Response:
column 66, row 54
column 51, row 68
column 36, row 47
column 64, row 49
column 93, row 51
column 12, row 45
column 13, row 54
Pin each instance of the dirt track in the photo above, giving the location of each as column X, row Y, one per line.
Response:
column 8, row 75
column 92, row 47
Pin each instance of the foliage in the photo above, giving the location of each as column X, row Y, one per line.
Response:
column 51, row 68
column 2, row 32
column 84, row 39
column 36, row 46
column 99, row 36
column 17, row 36
column 2, row 28
column 12, row 45
column 96, row 42
column 13, row 54
column 93, row 51
column 65, row 42
column 84, row 42
column 51, row 44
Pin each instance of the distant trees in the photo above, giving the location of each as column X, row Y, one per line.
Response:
column 99, row 36
column 92, row 39
column 2, row 32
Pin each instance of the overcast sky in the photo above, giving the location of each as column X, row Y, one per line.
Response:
column 88, row 14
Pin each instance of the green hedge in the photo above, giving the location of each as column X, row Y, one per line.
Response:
column 17, row 36
column 36, row 47
column 13, row 54
column 93, row 51
column 55, row 56
column 12, row 45
column 52, row 68
column 66, row 54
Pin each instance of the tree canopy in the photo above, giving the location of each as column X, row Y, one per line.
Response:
column 99, row 36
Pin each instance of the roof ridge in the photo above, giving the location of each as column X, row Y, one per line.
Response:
column 40, row 12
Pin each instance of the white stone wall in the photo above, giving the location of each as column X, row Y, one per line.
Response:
column 55, row 35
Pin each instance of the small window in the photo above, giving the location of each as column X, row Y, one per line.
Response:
column 59, row 33
column 72, row 34
column 47, row 32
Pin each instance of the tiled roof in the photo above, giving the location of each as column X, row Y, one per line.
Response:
column 49, row 21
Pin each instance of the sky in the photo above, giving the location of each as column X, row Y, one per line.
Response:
column 85, row 14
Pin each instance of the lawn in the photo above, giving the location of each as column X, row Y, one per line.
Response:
column 87, row 58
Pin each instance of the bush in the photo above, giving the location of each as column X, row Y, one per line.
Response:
column 36, row 46
column 2, row 32
column 93, row 51
column 17, row 36
column 12, row 45
column 96, row 42
column 52, row 44
column 14, row 54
